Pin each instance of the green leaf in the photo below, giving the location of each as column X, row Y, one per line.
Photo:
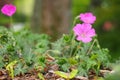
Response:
column 20, row 69
column 66, row 38
column 72, row 61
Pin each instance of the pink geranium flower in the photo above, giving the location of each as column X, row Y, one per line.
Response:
column 84, row 32
column 87, row 18
column 8, row 9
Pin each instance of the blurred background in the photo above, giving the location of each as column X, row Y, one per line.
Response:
column 55, row 17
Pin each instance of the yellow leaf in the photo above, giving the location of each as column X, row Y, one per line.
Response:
column 67, row 75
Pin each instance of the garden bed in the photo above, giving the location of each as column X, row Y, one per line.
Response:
column 50, row 75
column 75, row 56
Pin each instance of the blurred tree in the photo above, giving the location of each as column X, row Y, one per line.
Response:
column 36, row 17
column 52, row 17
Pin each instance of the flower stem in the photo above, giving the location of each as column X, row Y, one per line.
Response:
column 72, row 45
column 97, row 43
column 11, row 23
column 78, row 47
column 73, row 36
column 74, row 22
column 91, row 47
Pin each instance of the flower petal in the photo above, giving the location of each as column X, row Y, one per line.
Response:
column 87, row 18
column 86, row 39
column 8, row 9
column 91, row 33
column 76, row 29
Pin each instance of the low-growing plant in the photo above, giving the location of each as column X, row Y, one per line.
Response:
column 8, row 51
column 76, row 53
column 21, row 46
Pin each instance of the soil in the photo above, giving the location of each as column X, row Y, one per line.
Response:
column 49, row 75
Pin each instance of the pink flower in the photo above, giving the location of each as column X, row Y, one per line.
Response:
column 87, row 18
column 8, row 9
column 84, row 32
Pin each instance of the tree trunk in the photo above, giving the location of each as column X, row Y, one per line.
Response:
column 36, row 17
column 52, row 17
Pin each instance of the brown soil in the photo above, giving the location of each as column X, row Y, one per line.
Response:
column 33, row 75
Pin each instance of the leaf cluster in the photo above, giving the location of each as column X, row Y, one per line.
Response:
column 24, row 47
column 34, row 51
column 82, row 56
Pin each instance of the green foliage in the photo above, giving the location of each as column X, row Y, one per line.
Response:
column 82, row 56
column 21, row 47
column 72, row 57
column 30, row 50
column 20, row 69
column 41, row 62
column 7, row 47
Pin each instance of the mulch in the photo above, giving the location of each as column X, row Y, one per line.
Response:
column 49, row 75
